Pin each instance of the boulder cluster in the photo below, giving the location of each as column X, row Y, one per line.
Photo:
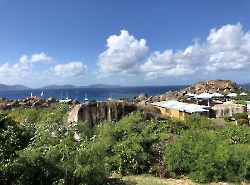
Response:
column 211, row 86
column 32, row 101
column 94, row 112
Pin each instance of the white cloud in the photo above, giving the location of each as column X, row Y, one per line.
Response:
column 27, row 70
column 123, row 55
column 70, row 69
column 24, row 68
column 169, row 63
column 225, row 49
column 228, row 48
column 41, row 57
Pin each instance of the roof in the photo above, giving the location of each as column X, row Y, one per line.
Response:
column 217, row 95
column 243, row 94
column 232, row 95
column 184, row 107
column 204, row 96
column 191, row 94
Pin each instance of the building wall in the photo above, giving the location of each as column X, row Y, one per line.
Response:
column 228, row 109
column 173, row 113
column 248, row 106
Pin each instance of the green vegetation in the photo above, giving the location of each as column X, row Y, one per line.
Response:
column 38, row 147
column 228, row 118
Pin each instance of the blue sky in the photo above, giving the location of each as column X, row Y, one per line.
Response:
column 150, row 42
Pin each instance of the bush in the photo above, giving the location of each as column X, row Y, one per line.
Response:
column 207, row 156
column 242, row 121
column 137, row 146
column 12, row 138
column 228, row 118
column 240, row 116
column 198, row 121
column 241, row 102
column 54, row 156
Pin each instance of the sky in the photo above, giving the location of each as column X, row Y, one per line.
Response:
column 123, row 42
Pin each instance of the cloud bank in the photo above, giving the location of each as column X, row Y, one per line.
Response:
column 27, row 69
column 224, row 49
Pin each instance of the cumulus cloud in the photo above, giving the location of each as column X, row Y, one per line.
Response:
column 228, row 48
column 24, row 68
column 70, row 69
column 169, row 63
column 123, row 54
column 225, row 49
column 28, row 70
column 41, row 57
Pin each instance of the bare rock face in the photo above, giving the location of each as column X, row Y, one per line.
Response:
column 217, row 85
column 94, row 112
column 34, row 98
column 212, row 86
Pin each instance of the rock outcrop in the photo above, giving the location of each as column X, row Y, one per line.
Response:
column 93, row 112
column 212, row 86
column 33, row 101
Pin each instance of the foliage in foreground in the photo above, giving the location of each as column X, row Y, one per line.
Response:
column 205, row 155
column 38, row 148
column 54, row 157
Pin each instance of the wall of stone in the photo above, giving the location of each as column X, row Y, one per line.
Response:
column 94, row 112
column 227, row 108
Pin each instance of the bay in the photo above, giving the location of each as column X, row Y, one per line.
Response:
column 99, row 94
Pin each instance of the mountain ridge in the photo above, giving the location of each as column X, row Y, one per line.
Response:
column 4, row 87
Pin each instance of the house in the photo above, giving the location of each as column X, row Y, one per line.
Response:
column 227, row 108
column 180, row 110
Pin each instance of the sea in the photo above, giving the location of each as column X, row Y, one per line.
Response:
column 99, row 94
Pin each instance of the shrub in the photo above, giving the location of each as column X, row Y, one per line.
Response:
column 240, row 116
column 241, row 102
column 199, row 121
column 137, row 146
column 207, row 156
column 242, row 121
column 54, row 156
column 12, row 138
column 228, row 118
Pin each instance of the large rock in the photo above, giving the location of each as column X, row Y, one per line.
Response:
column 94, row 112
column 211, row 86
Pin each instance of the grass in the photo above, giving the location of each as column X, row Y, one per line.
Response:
column 151, row 180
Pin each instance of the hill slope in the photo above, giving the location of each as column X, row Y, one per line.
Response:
column 4, row 87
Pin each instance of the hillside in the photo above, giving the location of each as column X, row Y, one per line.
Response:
column 72, row 86
column 58, row 87
column 102, row 86
column 4, row 87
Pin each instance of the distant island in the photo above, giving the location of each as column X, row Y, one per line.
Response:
column 73, row 87
column 4, row 87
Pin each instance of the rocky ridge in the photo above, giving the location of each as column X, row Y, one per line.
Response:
column 212, row 86
column 33, row 101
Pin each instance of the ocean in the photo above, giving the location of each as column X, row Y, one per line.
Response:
column 100, row 94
